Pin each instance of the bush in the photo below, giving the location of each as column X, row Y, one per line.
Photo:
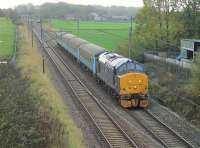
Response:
column 196, row 76
column 22, row 123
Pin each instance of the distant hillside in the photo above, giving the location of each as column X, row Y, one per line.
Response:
column 65, row 10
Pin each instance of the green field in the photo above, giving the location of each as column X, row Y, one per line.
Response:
column 106, row 34
column 7, row 38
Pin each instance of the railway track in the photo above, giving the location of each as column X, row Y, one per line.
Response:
column 107, row 126
column 142, row 140
column 160, row 131
column 110, row 131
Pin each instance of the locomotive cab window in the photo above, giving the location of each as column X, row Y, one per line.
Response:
column 131, row 66
column 134, row 66
column 122, row 69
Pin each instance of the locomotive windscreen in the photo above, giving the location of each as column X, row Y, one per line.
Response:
column 130, row 66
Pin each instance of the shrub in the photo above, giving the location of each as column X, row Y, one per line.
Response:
column 196, row 76
column 22, row 123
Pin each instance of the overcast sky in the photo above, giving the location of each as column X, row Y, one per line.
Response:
column 129, row 3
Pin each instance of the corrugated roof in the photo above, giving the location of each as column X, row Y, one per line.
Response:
column 76, row 42
column 191, row 40
column 92, row 48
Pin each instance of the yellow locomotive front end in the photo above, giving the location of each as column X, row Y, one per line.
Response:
column 133, row 90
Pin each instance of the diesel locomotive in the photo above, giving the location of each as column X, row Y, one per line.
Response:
column 124, row 76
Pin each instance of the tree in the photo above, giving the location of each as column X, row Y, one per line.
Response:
column 162, row 23
column 64, row 10
column 196, row 76
column 191, row 18
column 158, row 25
column 1, row 13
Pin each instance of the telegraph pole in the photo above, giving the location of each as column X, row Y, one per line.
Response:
column 62, row 31
column 32, row 32
column 41, row 28
column 78, row 26
column 43, row 68
column 41, row 36
column 130, row 37
column 28, row 19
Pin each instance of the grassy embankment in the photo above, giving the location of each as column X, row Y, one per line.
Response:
column 29, row 60
column 7, row 38
column 106, row 34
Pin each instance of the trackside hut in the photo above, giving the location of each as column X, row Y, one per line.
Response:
column 189, row 49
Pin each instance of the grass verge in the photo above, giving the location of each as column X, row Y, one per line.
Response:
column 29, row 61
column 7, row 38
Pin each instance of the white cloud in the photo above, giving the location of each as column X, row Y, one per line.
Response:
column 127, row 3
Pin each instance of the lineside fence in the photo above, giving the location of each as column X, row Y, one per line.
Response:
column 12, row 58
column 168, row 61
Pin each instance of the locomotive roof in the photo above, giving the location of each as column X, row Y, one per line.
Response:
column 113, row 59
column 68, row 36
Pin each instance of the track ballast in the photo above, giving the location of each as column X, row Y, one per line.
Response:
column 111, row 133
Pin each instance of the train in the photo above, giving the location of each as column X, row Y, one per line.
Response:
column 125, row 77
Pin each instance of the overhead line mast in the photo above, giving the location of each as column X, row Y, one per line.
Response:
column 78, row 26
column 130, row 37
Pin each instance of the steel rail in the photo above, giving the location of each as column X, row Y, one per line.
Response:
column 170, row 129
column 50, row 53
column 165, row 138
column 106, row 111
